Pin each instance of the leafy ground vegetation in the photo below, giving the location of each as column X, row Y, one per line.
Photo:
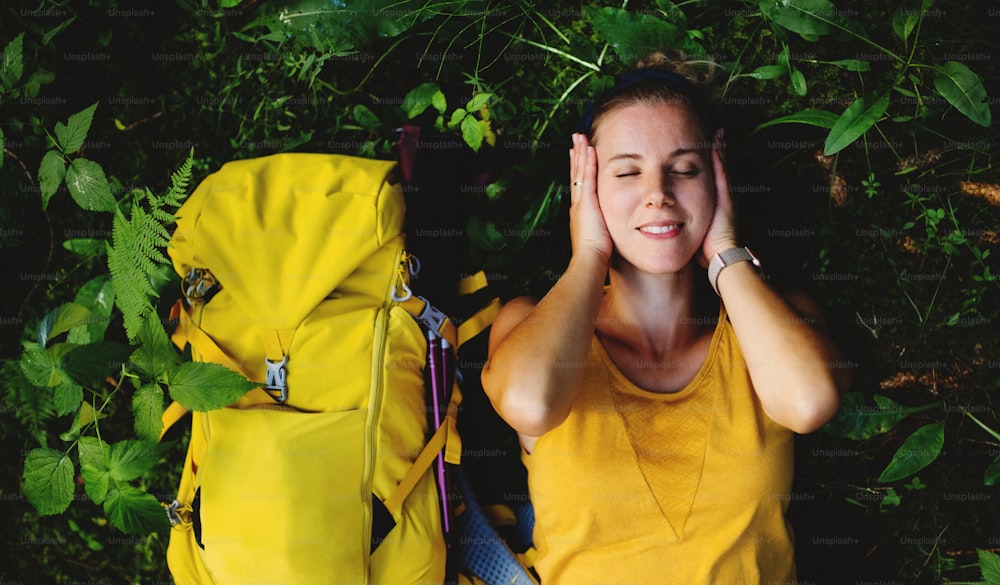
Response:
column 861, row 156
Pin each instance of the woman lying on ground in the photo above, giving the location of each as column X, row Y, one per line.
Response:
column 657, row 414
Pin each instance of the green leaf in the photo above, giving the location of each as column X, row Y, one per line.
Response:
column 230, row 3
column 84, row 417
column 71, row 136
column 992, row 473
column 134, row 511
column 420, row 98
column 964, row 90
column 673, row 12
column 456, row 117
column 472, row 132
column 50, row 175
column 820, row 118
column 478, row 101
column 88, row 186
column 917, row 452
column 129, row 459
column 96, row 481
column 903, row 22
column 366, row 118
column 857, row 119
column 632, row 35
column 857, row 65
column 858, row 421
column 206, row 386
column 989, row 565
column 67, row 396
column 798, row 82
column 40, row 367
column 93, row 451
column 48, row 480
column 97, row 295
column 51, row 33
column 147, row 406
column 439, row 102
column 12, row 62
column 90, row 364
column 85, row 247
column 767, row 72
column 809, row 18
column 483, row 234
column 156, row 355
column 62, row 319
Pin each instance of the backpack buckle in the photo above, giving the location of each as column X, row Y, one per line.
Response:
column 276, row 378
column 431, row 317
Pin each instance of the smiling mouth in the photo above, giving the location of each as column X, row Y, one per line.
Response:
column 660, row 229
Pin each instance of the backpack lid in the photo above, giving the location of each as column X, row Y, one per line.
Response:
column 280, row 232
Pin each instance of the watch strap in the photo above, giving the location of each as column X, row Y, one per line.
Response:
column 726, row 258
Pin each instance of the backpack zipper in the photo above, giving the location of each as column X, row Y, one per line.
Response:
column 402, row 263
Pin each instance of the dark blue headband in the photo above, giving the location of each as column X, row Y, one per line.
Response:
column 633, row 78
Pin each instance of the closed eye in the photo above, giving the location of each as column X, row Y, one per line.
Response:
column 627, row 174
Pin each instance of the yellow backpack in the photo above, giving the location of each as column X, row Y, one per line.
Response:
column 296, row 275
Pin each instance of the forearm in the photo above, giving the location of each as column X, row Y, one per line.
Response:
column 533, row 372
column 792, row 364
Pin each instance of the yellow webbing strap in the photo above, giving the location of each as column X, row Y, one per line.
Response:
column 171, row 415
column 470, row 284
column 394, row 503
column 475, row 324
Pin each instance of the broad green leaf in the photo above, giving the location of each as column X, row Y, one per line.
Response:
column 89, row 186
column 964, row 90
column 48, row 480
column 156, row 355
column 147, row 406
column 206, row 386
column 420, row 98
column 12, row 62
column 820, row 118
column 989, row 565
column 129, row 459
column 472, row 132
column 67, row 396
column 62, row 319
column 90, row 364
column 86, row 247
column 93, row 451
column 439, row 102
column 767, row 72
column 40, row 367
column 483, row 235
column 992, row 473
column 673, row 12
column 134, row 511
column 96, row 481
column 478, row 101
column 859, row 421
column 857, row 119
column 633, row 35
column 230, row 3
column 366, row 118
column 809, row 18
column 71, row 136
column 917, row 452
column 50, row 175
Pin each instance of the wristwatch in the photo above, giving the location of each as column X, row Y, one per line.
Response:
column 727, row 258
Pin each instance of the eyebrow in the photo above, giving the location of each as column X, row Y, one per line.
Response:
column 637, row 156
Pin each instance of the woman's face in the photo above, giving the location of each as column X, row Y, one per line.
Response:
column 655, row 185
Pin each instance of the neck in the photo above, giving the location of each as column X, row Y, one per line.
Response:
column 655, row 310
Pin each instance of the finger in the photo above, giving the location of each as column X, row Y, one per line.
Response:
column 723, row 198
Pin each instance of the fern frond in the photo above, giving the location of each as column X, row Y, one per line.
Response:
column 137, row 248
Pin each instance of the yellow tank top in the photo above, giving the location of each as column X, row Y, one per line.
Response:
column 686, row 488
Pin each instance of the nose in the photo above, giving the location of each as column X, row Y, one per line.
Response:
column 660, row 192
